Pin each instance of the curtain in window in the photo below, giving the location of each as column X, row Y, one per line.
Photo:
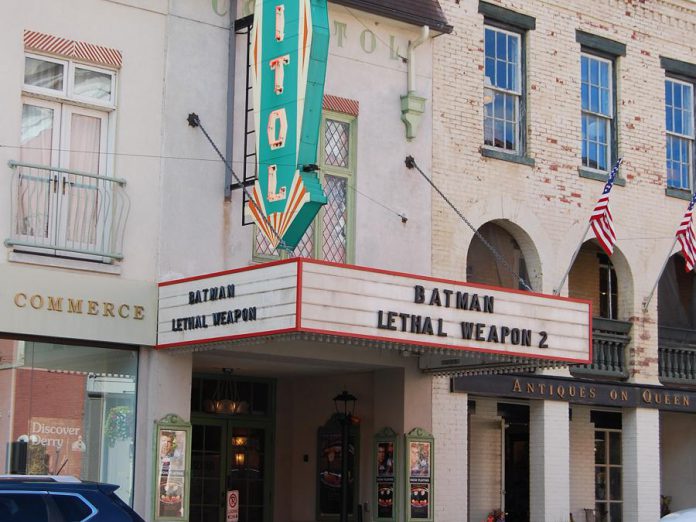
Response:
column 33, row 185
column 83, row 198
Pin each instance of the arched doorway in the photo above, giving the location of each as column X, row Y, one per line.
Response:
column 514, row 246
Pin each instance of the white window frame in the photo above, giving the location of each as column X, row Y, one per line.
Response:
column 608, row 119
column 27, row 87
column 517, row 93
column 64, row 104
column 86, row 99
column 67, row 94
column 690, row 138
column 608, row 466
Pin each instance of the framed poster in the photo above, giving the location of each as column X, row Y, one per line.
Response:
column 419, row 453
column 385, row 475
column 172, row 468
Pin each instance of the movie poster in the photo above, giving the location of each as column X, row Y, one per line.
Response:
column 171, row 473
column 385, row 480
column 419, row 478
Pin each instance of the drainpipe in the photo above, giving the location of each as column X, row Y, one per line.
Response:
column 425, row 33
column 412, row 106
column 231, row 65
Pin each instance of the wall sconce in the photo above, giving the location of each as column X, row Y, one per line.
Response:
column 239, row 459
column 239, row 441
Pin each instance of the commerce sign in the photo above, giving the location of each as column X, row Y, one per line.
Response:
column 289, row 51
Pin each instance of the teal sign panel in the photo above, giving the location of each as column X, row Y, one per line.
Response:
column 288, row 54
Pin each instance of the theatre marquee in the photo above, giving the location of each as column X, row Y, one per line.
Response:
column 300, row 295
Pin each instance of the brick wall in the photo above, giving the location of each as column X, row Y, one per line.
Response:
column 582, row 493
column 549, row 461
column 484, row 460
column 641, row 464
column 550, row 201
column 451, row 452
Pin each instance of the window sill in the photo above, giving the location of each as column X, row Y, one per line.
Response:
column 599, row 175
column 678, row 193
column 59, row 262
column 507, row 156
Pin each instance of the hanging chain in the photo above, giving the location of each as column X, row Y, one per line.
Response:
column 194, row 121
column 411, row 164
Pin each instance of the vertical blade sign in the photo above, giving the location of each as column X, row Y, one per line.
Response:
column 289, row 50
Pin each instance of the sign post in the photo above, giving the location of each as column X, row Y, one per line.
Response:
column 289, row 51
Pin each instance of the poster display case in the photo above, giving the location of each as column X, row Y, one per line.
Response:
column 386, row 474
column 172, row 469
column 419, row 453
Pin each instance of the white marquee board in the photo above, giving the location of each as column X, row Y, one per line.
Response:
column 374, row 304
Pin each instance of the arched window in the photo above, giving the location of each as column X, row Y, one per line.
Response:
column 484, row 267
column 593, row 277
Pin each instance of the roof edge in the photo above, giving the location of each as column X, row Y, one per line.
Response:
column 395, row 14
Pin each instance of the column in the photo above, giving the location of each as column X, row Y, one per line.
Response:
column 549, row 461
column 451, row 449
column 164, row 386
column 641, row 464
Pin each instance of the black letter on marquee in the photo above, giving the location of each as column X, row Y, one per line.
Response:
column 542, row 341
column 420, row 294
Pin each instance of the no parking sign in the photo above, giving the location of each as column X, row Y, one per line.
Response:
column 233, row 506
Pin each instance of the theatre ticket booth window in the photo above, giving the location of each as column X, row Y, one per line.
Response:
column 68, row 410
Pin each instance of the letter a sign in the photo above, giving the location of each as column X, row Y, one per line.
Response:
column 289, row 50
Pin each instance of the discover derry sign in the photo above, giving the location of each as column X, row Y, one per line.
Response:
column 289, row 50
column 300, row 295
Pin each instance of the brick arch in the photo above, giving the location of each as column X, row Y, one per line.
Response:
column 515, row 217
column 624, row 276
column 620, row 260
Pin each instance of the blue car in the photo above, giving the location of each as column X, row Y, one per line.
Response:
column 32, row 498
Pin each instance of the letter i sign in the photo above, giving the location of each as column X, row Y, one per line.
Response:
column 289, row 51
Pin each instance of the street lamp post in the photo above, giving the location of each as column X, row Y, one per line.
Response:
column 345, row 407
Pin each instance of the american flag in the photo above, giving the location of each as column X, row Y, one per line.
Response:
column 685, row 235
column 601, row 220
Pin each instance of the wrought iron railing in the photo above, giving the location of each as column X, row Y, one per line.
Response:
column 677, row 355
column 609, row 340
column 61, row 211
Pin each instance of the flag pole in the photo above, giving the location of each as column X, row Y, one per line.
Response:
column 557, row 290
column 646, row 301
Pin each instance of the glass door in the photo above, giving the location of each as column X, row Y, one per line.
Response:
column 208, row 456
column 227, row 455
column 246, row 471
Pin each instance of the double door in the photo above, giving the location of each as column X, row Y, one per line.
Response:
column 61, row 194
column 230, row 456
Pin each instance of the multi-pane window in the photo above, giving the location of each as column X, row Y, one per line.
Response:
column 679, row 116
column 67, row 112
column 608, row 289
column 328, row 237
column 608, row 475
column 502, row 89
column 597, row 111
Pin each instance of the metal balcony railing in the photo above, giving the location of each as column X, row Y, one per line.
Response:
column 61, row 211
column 677, row 355
column 609, row 340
